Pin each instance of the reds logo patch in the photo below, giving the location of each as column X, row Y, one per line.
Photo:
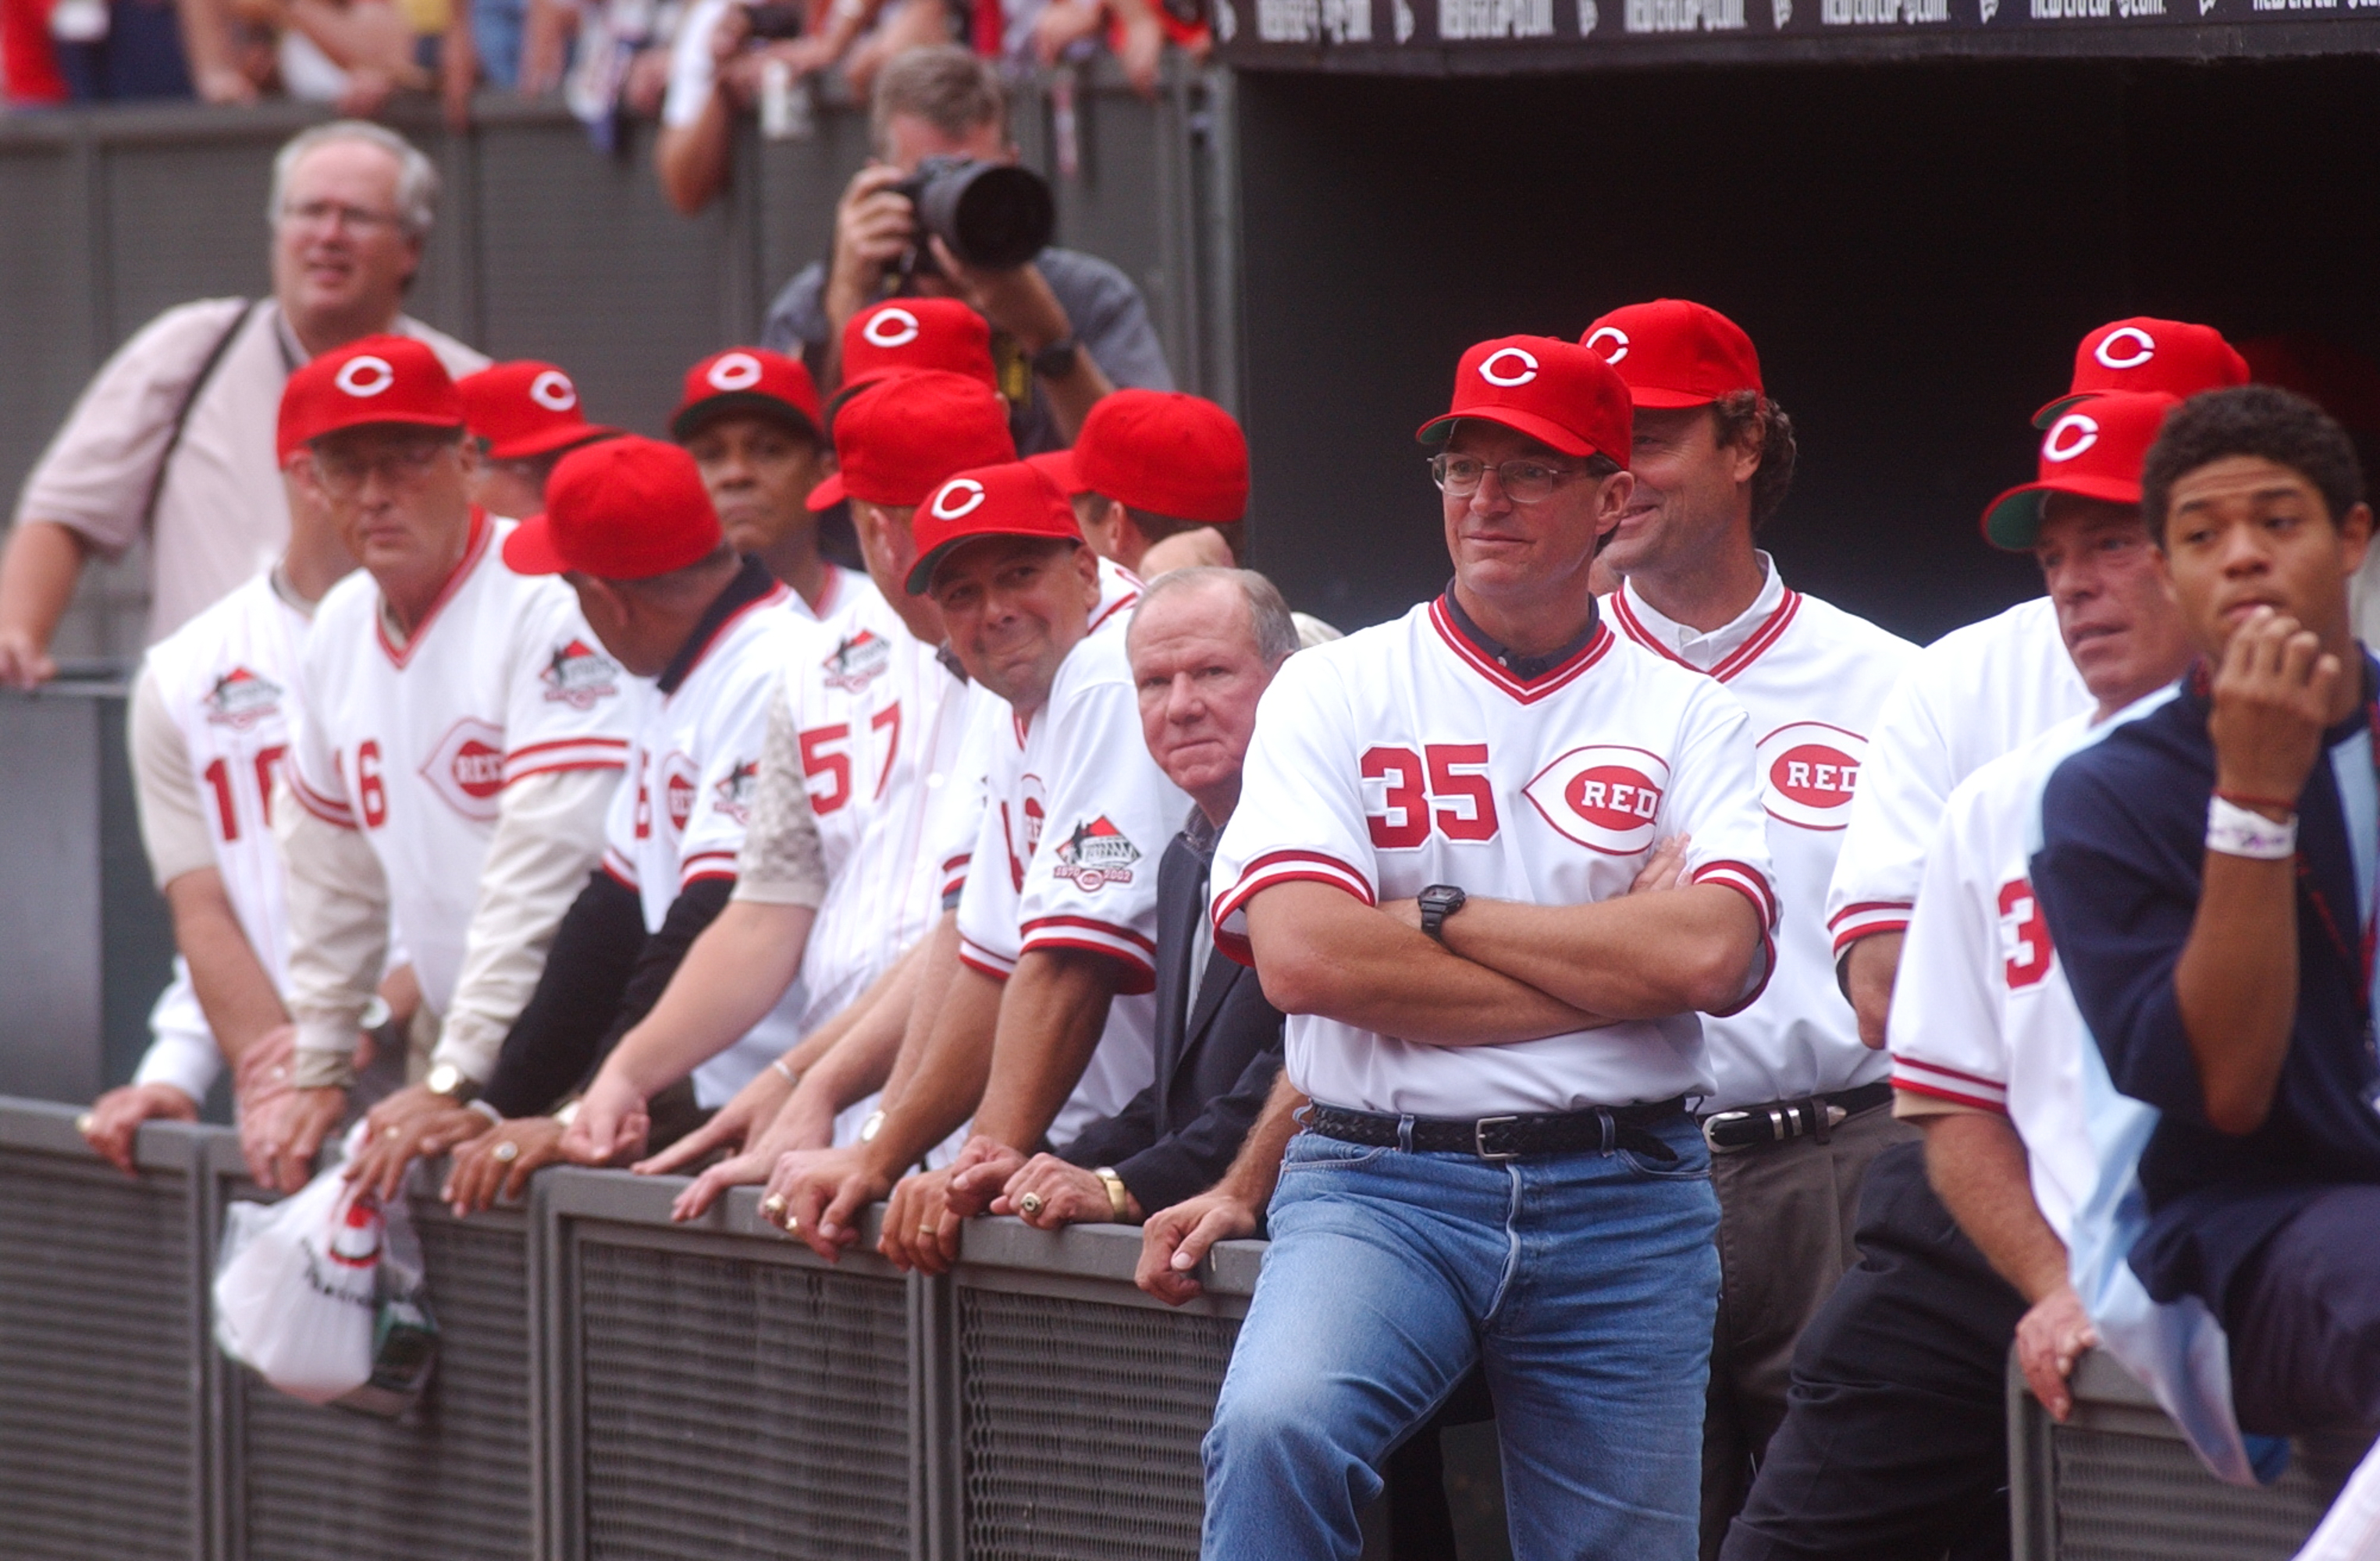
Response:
column 1095, row 855
column 1808, row 774
column 679, row 788
column 578, row 674
column 732, row 795
column 1606, row 797
column 467, row 769
column 857, row 661
column 240, row 698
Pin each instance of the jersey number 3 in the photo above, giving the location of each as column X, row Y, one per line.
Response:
column 1451, row 774
column 2028, row 959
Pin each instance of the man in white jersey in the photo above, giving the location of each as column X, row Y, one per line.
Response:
column 1980, row 691
column 631, row 529
column 211, row 725
column 1800, row 1105
column 1438, row 819
column 861, row 748
column 1896, row 1444
column 460, row 737
column 750, row 419
column 1049, row 1024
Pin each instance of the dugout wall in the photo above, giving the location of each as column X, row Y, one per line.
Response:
column 1916, row 244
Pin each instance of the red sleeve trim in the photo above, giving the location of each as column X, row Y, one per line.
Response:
column 1768, row 957
column 1746, row 880
column 1138, row 978
column 981, row 967
column 1905, row 1061
column 1146, row 945
column 1865, row 906
column 512, row 775
column 335, row 813
column 1290, row 866
column 1998, row 1108
column 1849, row 935
column 1234, row 948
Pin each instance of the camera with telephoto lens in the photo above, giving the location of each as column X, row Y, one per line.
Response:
column 995, row 216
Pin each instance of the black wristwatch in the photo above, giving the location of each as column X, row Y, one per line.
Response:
column 1056, row 361
column 1438, row 902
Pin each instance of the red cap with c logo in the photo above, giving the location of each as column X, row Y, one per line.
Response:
column 1555, row 391
column 1673, row 353
column 1015, row 499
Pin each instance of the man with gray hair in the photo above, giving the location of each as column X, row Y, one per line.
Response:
column 1204, row 644
column 1066, row 327
column 173, row 441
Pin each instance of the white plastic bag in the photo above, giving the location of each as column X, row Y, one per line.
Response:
column 299, row 1285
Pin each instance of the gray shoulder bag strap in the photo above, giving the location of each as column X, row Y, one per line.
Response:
column 182, row 413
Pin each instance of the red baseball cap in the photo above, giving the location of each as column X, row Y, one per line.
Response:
column 1172, row 455
column 1556, row 392
column 1673, row 353
column 377, row 380
column 1058, row 465
column 2094, row 450
column 525, row 409
column 899, row 437
column 621, row 509
column 2170, row 356
column 912, row 336
column 1010, row 500
column 747, row 379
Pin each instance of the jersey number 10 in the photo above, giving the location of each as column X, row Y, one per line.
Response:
column 219, row 781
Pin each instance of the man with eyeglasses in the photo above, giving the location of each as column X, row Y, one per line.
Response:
column 1438, row 821
column 173, row 441
column 461, row 731
column 1800, row 1106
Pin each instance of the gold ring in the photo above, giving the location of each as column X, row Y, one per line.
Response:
column 393, row 1131
column 83, row 1123
column 930, row 1230
column 772, row 1209
column 505, row 1152
column 1031, row 1204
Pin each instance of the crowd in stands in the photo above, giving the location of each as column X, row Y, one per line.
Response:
column 1627, row 991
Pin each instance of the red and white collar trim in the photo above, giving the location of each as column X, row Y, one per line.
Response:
column 474, row 551
column 1551, row 680
column 776, row 596
column 1770, row 631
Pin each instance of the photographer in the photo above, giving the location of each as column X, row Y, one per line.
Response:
column 1067, row 327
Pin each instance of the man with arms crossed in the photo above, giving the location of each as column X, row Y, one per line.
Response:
column 1896, row 1444
column 460, row 738
column 1438, row 820
column 2206, row 873
column 1799, row 1107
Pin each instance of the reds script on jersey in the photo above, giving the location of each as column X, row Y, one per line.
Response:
column 1403, row 757
column 1982, row 1016
column 501, row 680
column 227, row 680
column 1813, row 678
column 1971, row 695
column 1076, row 815
column 680, row 812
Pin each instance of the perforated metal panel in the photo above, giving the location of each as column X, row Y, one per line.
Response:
column 741, row 1408
column 449, row 1481
column 1041, row 1462
column 2148, row 1498
column 98, row 1383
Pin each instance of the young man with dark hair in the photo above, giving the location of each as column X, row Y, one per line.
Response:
column 2206, row 873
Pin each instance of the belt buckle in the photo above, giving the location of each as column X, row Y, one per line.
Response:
column 1711, row 1138
column 1480, row 1137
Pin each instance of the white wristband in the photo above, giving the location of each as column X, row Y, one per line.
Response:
column 2237, row 831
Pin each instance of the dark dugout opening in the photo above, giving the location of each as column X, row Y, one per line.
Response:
column 1915, row 247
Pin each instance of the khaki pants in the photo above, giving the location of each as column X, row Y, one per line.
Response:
column 1787, row 1212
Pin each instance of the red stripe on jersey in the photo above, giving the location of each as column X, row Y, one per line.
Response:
column 619, row 869
column 1901, row 1061
column 706, row 864
column 1553, row 681
column 1744, row 879
column 1088, row 924
column 592, row 740
column 1138, row 977
column 1850, row 935
column 1866, row 905
column 558, row 765
column 1770, row 631
column 983, row 961
column 473, row 551
column 1117, row 605
column 1908, row 1087
column 1768, row 951
column 336, row 814
column 1236, row 949
column 1289, row 867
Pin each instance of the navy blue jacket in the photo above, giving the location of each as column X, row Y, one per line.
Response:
column 2124, row 825
column 1218, row 1049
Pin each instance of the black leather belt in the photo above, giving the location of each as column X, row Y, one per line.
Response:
column 1751, row 1127
column 1597, row 1129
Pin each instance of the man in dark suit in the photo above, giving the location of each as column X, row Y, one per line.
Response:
column 1204, row 644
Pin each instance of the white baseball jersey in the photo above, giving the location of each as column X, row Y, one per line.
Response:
column 1982, row 1017
column 500, row 680
column 1075, row 817
column 227, row 679
column 846, row 591
column 1405, row 755
column 679, row 814
column 1971, row 695
column 1813, row 678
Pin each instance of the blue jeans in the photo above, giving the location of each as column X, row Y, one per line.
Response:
column 1585, row 1282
